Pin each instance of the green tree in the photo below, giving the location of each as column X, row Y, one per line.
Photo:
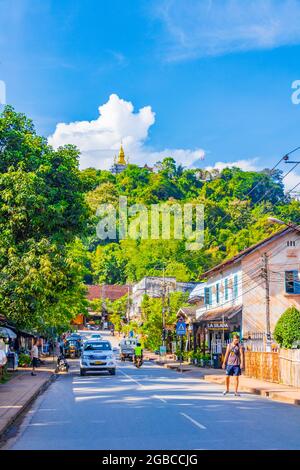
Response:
column 153, row 320
column 42, row 210
column 108, row 264
column 287, row 329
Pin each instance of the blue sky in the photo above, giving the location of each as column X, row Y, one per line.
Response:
column 210, row 77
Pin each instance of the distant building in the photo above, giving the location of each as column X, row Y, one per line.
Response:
column 249, row 292
column 156, row 287
column 107, row 291
column 104, row 292
column 120, row 163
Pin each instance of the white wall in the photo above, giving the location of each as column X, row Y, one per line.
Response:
column 229, row 275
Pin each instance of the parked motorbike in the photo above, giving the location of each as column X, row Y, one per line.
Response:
column 62, row 364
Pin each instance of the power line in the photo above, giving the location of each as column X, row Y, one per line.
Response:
column 267, row 192
column 255, row 186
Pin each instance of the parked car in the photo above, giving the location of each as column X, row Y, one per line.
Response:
column 97, row 356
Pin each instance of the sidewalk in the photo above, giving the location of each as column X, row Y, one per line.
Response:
column 277, row 392
column 20, row 391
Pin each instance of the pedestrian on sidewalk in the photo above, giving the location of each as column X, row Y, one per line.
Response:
column 34, row 356
column 3, row 357
column 233, row 363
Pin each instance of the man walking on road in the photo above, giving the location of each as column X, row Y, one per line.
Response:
column 34, row 356
column 233, row 363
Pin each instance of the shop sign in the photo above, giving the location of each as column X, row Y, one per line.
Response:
column 217, row 326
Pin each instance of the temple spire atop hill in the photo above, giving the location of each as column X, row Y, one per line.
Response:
column 120, row 163
column 121, row 158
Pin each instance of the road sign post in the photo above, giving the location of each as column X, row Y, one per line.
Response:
column 181, row 343
column 181, row 331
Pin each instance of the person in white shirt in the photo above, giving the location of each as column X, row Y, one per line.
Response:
column 34, row 356
column 3, row 358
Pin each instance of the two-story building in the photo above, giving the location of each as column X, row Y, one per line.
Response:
column 155, row 286
column 249, row 292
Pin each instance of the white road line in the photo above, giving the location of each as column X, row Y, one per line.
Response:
column 159, row 398
column 199, row 425
column 142, row 386
column 129, row 377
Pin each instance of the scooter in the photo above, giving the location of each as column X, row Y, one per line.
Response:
column 62, row 364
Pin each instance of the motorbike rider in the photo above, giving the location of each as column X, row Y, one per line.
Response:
column 138, row 352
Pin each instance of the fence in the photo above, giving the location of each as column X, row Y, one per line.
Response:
column 289, row 365
column 280, row 367
column 218, row 346
column 262, row 365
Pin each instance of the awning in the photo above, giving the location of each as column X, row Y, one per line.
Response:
column 220, row 314
column 7, row 333
column 188, row 312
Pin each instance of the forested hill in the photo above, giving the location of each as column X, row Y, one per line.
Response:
column 237, row 204
column 48, row 243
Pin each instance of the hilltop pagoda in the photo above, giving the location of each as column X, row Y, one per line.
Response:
column 120, row 163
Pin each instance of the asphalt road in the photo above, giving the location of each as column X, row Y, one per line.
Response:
column 152, row 408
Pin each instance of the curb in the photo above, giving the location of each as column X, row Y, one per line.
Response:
column 27, row 404
column 275, row 396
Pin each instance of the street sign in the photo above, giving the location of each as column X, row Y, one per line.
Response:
column 214, row 325
column 181, row 329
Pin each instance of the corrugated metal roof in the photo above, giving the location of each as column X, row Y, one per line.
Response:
column 106, row 291
column 218, row 314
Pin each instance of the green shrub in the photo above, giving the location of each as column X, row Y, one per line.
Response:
column 24, row 360
column 287, row 329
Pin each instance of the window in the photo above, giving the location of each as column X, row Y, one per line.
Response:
column 97, row 346
column 235, row 286
column 292, row 282
column 218, row 293
column 226, row 289
column 207, row 296
column 291, row 243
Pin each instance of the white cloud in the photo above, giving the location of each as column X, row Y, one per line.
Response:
column 245, row 165
column 99, row 140
column 198, row 28
column 291, row 181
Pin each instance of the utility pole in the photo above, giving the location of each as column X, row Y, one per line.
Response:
column 267, row 290
column 128, row 305
column 164, row 308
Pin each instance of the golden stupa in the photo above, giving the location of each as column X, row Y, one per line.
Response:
column 121, row 158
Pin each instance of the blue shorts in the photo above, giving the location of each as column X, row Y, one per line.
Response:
column 233, row 370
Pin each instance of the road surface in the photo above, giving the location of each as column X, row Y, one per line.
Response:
column 152, row 408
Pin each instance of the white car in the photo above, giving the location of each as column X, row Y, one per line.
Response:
column 97, row 356
column 92, row 337
column 95, row 336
